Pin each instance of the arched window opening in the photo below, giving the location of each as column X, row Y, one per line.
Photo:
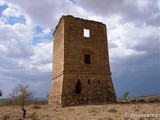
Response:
column 89, row 82
column 78, row 87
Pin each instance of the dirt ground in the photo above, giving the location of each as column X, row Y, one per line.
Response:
column 88, row 112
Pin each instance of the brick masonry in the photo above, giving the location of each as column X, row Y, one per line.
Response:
column 74, row 81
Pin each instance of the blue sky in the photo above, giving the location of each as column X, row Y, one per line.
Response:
column 133, row 30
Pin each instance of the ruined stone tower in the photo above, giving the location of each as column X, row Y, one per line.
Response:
column 81, row 70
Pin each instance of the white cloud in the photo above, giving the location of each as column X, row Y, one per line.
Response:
column 2, row 2
column 42, row 13
column 46, row 31
column 11, row 12
column 126, row 36
column 16, row 44
column 20, row 60
column 15, row 36
column 3, row 48
column 42, row 53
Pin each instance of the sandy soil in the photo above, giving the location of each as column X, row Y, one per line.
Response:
column 88, row 112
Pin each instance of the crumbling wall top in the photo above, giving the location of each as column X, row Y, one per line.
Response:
column 70, row 16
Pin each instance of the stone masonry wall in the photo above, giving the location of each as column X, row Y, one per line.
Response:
column 95, row 78
column 58, row 65
column 95, row 89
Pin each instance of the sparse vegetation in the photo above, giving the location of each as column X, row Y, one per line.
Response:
column 47, row 96
column 20, row 94
column 11, row 102
column 5, row 117
column 38, row 111
column 113, row 110
column 36, row 107
column 126, row 94
column 136, row 109
column 89, row 112
column 33, row 116
column 37, row 102
column 6, row 102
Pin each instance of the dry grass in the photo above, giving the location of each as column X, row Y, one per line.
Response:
column 5, row 117
column 90, row 112
column 36, row 107
column 113, row 110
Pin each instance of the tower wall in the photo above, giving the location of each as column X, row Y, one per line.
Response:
column 58, row 65
column 81, row 82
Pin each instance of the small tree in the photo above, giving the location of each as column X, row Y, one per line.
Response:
column 1, row 93
column 20, row 94
column 125, row 96
column 47, row 96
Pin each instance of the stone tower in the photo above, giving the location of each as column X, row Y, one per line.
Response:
column 81, row 71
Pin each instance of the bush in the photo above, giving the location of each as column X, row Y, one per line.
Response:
column 7, row 103
column 36, row 102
